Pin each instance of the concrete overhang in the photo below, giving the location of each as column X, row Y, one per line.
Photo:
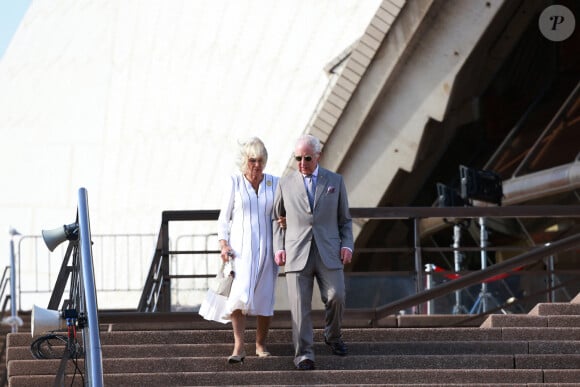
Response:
column 404, row 78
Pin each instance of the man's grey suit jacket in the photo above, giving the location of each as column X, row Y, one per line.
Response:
column 329, row 225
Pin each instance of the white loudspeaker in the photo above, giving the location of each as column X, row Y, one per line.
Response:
column 53, row 238
column 45, row 320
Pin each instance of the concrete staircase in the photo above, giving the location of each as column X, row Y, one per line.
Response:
column 540, row 348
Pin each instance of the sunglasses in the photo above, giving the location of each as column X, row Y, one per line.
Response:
column 306, row 158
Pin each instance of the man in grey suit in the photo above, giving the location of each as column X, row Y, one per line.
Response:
column 316, row 243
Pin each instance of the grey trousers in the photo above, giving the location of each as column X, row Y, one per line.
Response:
column 300, row 288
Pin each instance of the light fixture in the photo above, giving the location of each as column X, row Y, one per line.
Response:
column 53, row 238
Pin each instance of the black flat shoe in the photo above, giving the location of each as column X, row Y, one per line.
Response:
column 235, row 359
column 305, row 365
column 338, row 347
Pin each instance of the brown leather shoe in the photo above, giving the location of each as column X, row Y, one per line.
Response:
column 305, row 365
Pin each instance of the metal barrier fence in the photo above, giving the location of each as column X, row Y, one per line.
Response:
column 122, row 263
column 159, row 290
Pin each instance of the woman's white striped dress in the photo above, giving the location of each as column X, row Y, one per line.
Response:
column 245, row 221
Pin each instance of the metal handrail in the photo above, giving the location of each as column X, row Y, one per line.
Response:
column 524, row 259
column 83, row 297
column 156, row 294
column 91, row 338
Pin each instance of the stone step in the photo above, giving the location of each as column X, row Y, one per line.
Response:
column 285, row 336
column 112, row 320
column 349, row 335
column 285, row 363
column 511, row 320
column 355, row 349
column 441, row 377
column 556, row 309
column 279, row 363
column 539, row 333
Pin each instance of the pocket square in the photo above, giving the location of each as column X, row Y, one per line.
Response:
column 330, row 190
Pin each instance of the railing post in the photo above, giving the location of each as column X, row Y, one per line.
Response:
column 15, row 321
column 458, row 308
column 429, row 268
column 551, row 280
column 418, row 262
column 164, row 303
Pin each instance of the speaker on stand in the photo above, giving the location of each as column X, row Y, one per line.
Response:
column 45, row 320
column 53, row 238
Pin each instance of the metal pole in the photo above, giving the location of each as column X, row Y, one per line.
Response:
column 418, row 262
column 483, row 245
column 94, row 359
column 458, row 308
column 15, row 321
column 429, row 268
column 549, row 261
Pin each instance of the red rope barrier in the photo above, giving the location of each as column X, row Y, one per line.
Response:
column 452, row 276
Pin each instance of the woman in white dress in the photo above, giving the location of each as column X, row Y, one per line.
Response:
column 245, row 233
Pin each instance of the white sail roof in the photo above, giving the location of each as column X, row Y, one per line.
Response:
column 142, row 102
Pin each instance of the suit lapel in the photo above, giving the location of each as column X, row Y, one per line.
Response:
column 321, row 183
column 299, row 184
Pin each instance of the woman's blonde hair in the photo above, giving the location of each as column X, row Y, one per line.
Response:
column 252, row 147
